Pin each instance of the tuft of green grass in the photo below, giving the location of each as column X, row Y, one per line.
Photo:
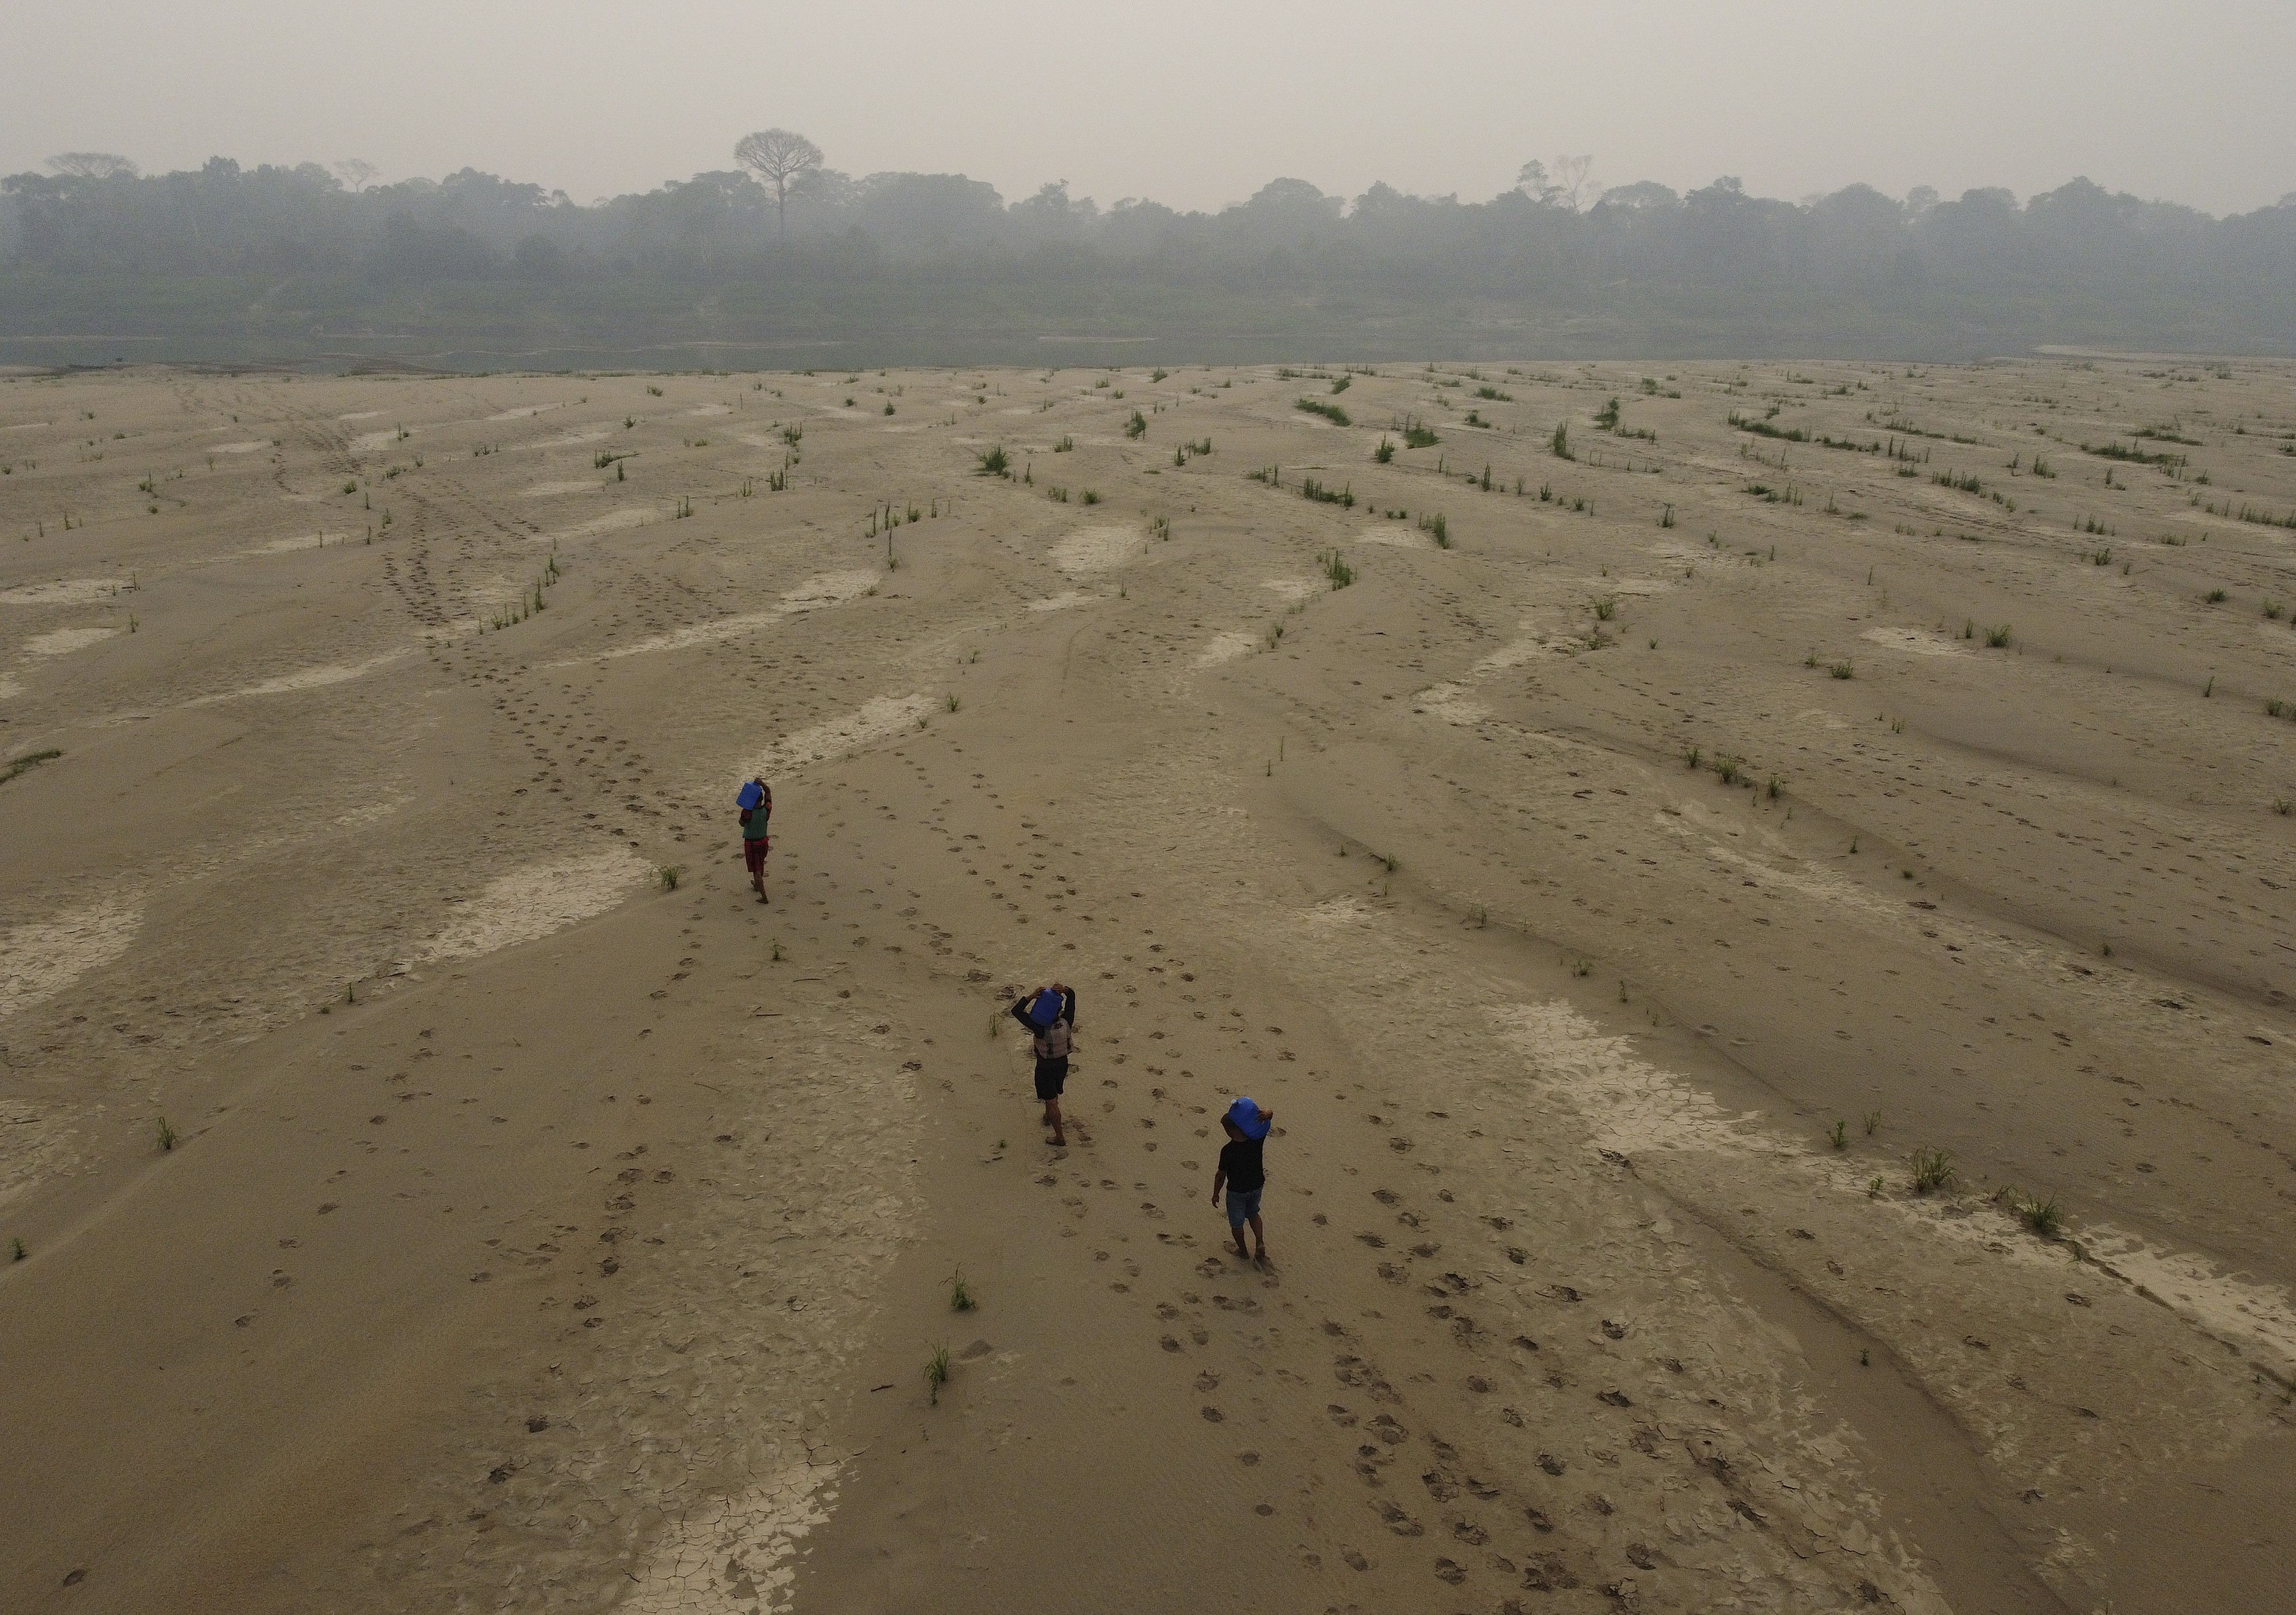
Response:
column 1872, row 1122
column 16, row 1252
column 1996, row 637
column 167, row 1135
column 1437, row 528
column 1417, row 434
column 2133, row 455
column 960, row 1293
column 1137, row 426
column 936, row 1371
column 1840, row 1135
column 1844, row 668
column 668, row 874
column 1606, row 608
column 995, row 462
column 1558, row 445
column 1330, row 412
column 1933, row 1171
column 1088, row 497
column 2045, row 1217
column 1335, row 567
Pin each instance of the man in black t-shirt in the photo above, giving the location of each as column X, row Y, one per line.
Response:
column 1243, row 1173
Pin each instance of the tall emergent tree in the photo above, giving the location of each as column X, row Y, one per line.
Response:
column 783, row 159
column 92, row 165
column 1569, row 185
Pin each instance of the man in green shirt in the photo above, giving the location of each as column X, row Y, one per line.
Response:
column 756, row 801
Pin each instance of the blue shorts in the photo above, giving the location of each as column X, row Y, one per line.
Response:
column 1242, row 1207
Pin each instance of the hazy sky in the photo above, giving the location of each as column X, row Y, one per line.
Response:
column 1193, row 104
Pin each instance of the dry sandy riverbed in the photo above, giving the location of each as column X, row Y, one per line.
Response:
column 1613, row 887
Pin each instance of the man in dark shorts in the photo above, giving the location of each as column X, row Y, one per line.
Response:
column 756, row 801
column 1243, row 1173
column 1050, row 1015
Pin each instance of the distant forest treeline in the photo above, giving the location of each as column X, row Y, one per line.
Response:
column 241, row 265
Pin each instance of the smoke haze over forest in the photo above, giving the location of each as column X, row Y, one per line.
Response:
column 1178, row 233
column 476, row 271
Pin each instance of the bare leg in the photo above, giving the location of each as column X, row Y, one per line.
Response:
column 1240, row 1249
column 1053, row 1121
column 1259, row 1236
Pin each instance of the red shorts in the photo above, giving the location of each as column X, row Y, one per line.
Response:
column 753, row 853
